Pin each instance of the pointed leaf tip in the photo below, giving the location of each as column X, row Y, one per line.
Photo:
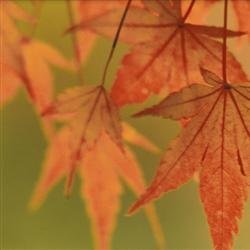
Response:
column 147, row 111
column 70, row 29
column 213, row 31
column 131, row 211
column 69, row 183
column 210, row 78
column 134, row 208
column 133, row 136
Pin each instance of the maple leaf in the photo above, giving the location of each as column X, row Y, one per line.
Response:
column 215, row 143
column 25, row 61
column 37, row 56
column 10, row 37
column 163, row 45
column 31, row 70
column 32, row 62
column 91, row 110
column 93, row 143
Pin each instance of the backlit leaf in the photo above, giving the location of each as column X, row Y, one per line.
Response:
column 94, row 146
column 215, row 143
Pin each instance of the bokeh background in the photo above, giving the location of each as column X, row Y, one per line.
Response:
column 64, row 224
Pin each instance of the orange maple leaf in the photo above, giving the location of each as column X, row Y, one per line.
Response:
column 216, row 144
column 93, row 143
column 163, row 45
column 37, row 56
column 10, row 37
column 25, row 61
column 32, row 71
column 31, row 68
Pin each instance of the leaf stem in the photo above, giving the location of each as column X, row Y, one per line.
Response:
column 224, row 55
column 111, row 53
column 74, row 42
column 186, row 15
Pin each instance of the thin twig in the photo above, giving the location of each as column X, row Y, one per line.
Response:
column 115, row 42
column 186, row 15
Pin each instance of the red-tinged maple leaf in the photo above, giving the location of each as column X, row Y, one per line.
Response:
column 163, row 45
column 93, row 144
column 216, row 144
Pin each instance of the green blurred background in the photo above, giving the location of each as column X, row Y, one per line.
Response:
column 64, row 224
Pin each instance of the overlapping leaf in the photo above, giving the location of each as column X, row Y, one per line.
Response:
column 215, row 143
column 93, row 143
column 167, row 51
